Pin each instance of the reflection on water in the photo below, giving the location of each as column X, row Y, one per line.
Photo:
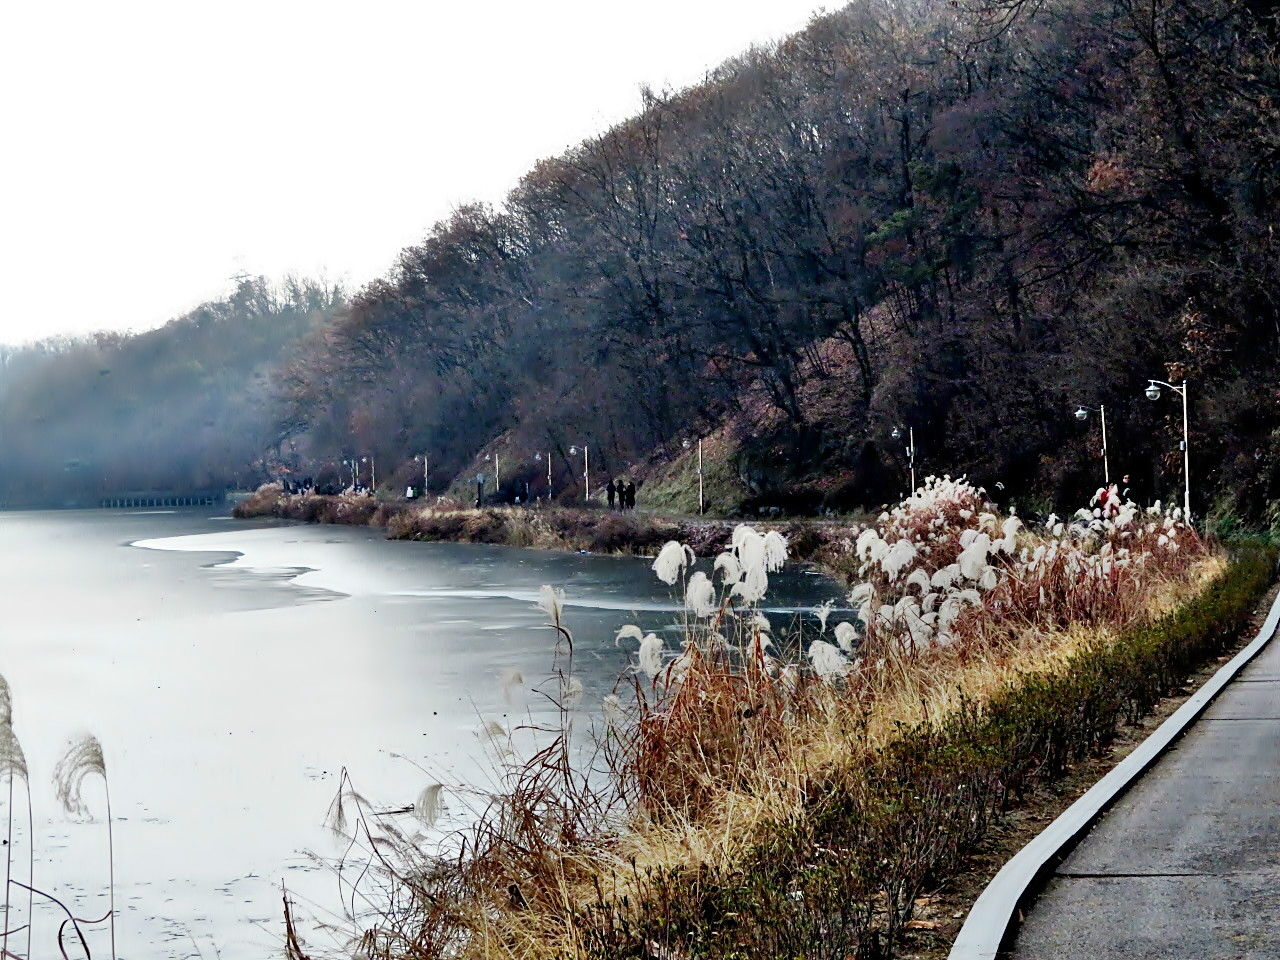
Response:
column 231, row 673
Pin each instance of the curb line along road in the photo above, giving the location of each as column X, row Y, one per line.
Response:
column 991, row 920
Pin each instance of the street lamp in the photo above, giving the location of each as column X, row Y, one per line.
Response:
column 538, row 457
column 1153, row 393
column 423, row 458
column 586, row 469
column 373, row 472
column 686, row 445
column 911, row 451
column 497, row 471
column 1082, row 414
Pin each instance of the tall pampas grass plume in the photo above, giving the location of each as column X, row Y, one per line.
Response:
column 82, row 760
column 651, row 654
column 429, row 805
column 671, row 561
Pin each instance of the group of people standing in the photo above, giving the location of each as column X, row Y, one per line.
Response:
column 621, row 494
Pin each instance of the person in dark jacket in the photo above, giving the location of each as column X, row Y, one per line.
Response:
column 612, row 492
column 631, row 495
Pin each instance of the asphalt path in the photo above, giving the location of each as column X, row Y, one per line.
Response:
column 1187, row 863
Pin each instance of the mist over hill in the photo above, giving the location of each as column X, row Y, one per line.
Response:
column 963, row 221
column 188, row 407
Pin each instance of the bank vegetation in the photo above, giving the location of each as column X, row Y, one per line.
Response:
column 772, row 794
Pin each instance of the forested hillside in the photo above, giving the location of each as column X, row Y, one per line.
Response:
column 188, row 407
column 963, row 221
column 1000, row 213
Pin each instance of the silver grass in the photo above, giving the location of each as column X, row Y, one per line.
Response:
column 671, row 561
column 615, row 717
column 828, row 663
column 82, row 759
column 845, row 633
column 570, row 691
column 775, row 550
column 6, row 702
column 551, row 602
column 728, row 565
column 651, row 654
column 822, row 612
column 629, row 631
column 700, row 595
column 511, row 679
column 429, row 804
column 12, row 761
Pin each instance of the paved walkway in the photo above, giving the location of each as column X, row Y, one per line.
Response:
column 1187, row 863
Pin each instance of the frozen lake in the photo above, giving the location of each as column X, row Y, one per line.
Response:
column 231, row 669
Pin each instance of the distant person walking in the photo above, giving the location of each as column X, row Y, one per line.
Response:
column 631, row 495
column 612, row 491
column 1126, row 488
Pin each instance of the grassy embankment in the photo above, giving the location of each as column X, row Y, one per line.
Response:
column 794, row 797
column 552, row 527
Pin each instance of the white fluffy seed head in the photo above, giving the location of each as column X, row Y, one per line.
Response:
column 700, row 595
column 846, row 633
column 900, row 556
column 615, row 717
column 551, row 602
column 822, row 612
column 727, row 564
column 828, row 663
column 651, row 654
column 671, row 561
column 629, row 632
column 754, row 584
column 775, row 551
column 919, row 578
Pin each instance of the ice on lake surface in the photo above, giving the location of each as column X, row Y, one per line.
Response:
column 231, row 670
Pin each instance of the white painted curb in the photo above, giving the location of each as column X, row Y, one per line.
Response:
column 991, row 918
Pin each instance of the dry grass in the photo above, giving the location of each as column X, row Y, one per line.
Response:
column 735, row 736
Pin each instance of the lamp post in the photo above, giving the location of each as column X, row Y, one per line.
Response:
column 423, row 458
column 1153, row 393
column 373, row 472
column 538, row 458
column 686, row 445
column 586, row 469
column 911, row 451
column 1082, row 414
column 497, row 472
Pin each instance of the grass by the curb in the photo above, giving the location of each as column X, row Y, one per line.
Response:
column 843, row 878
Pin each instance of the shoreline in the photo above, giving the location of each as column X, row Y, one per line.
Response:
column 549, row 527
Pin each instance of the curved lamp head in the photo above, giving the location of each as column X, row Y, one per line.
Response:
column 1082, row 414
column 537, row 457
column 685, row 444
column 1152, row 391
column 573, row 450
column 897, row 434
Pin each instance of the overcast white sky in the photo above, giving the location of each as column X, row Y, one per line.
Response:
column 149, row 151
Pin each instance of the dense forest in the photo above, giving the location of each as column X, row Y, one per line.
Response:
column 967, row 221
